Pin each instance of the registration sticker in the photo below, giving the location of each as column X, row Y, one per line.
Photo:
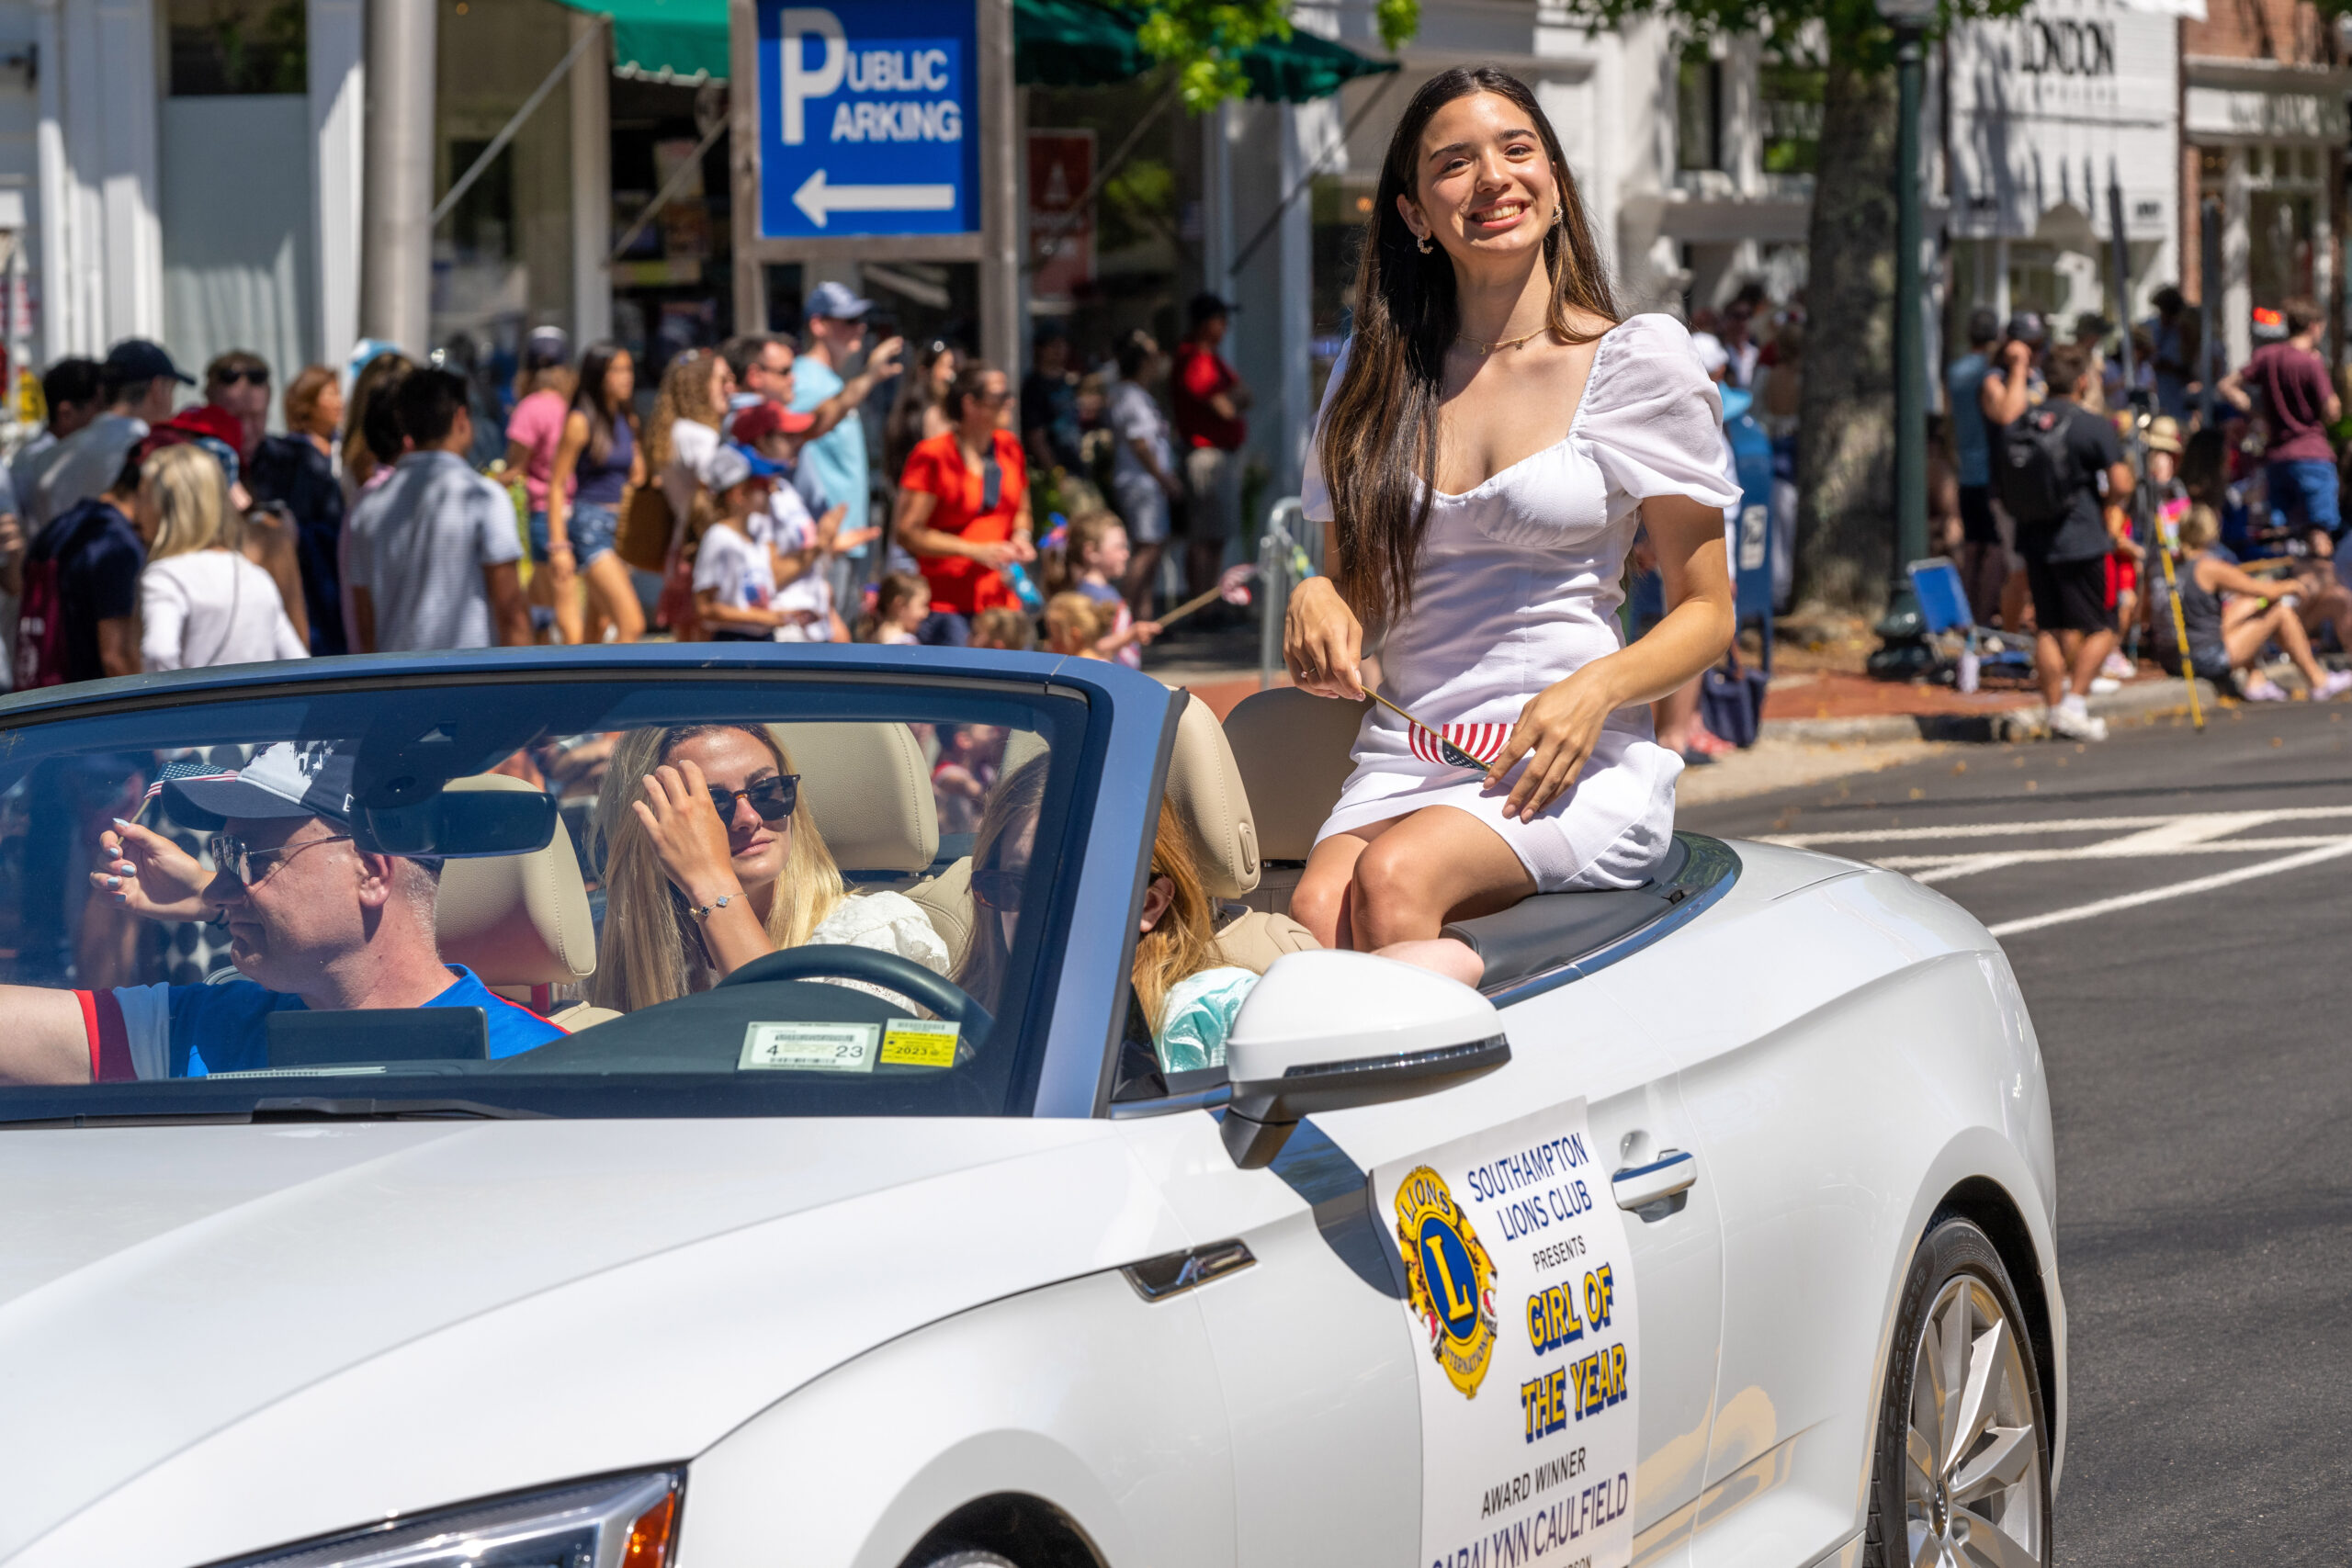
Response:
column 921, row 1043
column 810, row 1047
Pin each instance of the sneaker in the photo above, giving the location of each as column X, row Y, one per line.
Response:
column 2262, row 689
column 2069, row 721
column 2117, row 667
column 2105, row 685
column 2333, row 686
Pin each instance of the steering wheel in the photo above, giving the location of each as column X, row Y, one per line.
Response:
column 876, row 967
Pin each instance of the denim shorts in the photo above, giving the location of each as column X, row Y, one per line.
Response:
column 591, row 531
column 2303, row 490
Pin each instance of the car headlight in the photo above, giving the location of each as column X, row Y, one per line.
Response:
column 629, row 1521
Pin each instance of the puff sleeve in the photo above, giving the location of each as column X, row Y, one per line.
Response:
column 1652, row 419
column 1314, row 495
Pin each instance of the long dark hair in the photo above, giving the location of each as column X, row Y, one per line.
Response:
column 588, row 397
column 905, row 425
column 1378, row 440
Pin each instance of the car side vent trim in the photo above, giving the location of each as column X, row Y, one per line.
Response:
column 1174, row 1273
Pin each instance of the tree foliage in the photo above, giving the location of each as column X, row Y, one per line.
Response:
column 1204, row 39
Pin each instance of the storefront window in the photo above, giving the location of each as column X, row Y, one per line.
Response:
column 673, row 283
column 221, row 47
column 1790, row 96
column 1698, row 110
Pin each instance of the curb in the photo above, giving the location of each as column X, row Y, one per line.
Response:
column 2148, row 700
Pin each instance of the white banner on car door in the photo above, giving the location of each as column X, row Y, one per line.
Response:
column 1519, row 1288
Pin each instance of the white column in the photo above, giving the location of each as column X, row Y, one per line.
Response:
column 134, row 258
column 338, row 87
column 2237, row 290
column 60, row 326
column 396, row 269
column 588, row 87
column 1294, row 244
column 1218, row 241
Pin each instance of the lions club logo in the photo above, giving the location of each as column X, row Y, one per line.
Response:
column 1448, row 1277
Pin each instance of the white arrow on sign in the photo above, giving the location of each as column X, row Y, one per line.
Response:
column 818, row 200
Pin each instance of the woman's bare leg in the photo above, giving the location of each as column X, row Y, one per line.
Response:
column 1438, row 865
column 2244, row 641
column 615, row 596
column 1319, row 902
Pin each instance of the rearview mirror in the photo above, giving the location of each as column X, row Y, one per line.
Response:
column 1328, row 1030
column 459, row 824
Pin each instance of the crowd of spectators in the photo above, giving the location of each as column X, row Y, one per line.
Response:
column 739, row 495
column 2113, row 515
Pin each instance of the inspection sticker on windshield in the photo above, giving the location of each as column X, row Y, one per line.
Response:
column 1519, row 1291
column 921, row 1043
column 810, row 1047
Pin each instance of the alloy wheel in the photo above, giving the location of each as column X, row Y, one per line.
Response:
column 1972, row 1482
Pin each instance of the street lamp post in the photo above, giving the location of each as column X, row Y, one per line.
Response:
column 1904, row 652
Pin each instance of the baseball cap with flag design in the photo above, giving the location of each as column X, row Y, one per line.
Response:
column 309, row 778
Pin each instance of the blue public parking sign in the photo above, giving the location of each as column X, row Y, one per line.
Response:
column 869, row 119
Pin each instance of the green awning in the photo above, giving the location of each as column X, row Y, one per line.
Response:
column 665, row 41
column 1055, row 43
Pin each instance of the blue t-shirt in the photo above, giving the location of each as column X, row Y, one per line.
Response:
column 839, row 456
column 1962, row 384
column 188, row 1032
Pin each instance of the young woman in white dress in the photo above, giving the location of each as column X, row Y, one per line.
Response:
column 1491, row 439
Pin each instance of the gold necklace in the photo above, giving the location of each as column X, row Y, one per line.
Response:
column 1486, row 348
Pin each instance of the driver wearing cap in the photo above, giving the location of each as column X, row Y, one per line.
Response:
column 314, row 922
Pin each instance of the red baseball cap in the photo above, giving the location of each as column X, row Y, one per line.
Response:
column 769, row 419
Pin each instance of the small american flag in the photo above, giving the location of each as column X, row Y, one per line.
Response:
column 1484, row 741
column 172, row 773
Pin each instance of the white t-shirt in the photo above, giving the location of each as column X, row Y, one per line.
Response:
column 85, row 464
column 1135, row 416
column 211, row 607
column 737, row 567
column 790, row 530
column 691, row 445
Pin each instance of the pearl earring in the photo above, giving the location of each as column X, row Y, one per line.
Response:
column 1422, row 244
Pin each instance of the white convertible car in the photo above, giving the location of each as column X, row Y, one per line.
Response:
column 1716, row 1228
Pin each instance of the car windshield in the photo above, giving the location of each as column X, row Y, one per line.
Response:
column 707, row 893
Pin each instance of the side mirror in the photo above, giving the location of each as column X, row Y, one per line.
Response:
column 1332, row 1031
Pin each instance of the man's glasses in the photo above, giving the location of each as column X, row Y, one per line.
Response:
column 999, row 889
column 232, row 855
column 258, row 377
column 773, row 798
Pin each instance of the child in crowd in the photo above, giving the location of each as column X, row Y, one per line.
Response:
column 804, row 544
column 1004, row 628
column 1099, row 555
column 901, row 601
column 1074, row 626
column 734, row 571
column 970, row 756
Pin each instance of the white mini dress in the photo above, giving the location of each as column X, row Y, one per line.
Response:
column 1517, row 588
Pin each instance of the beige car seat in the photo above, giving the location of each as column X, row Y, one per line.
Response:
column 1295, row 751
column 519, row 923
column 1205, row 786
column 870, row 791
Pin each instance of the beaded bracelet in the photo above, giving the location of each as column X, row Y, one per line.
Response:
column 702, row 911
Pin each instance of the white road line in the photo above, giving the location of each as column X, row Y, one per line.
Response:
column 2336, row 851
column 2063, row 825
column 1914, row 864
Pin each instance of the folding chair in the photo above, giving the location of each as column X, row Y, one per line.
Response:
column 1943, row 605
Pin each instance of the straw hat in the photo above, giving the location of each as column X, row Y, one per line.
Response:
column 2164, row 435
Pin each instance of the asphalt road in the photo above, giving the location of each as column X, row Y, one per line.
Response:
column 2200, row 1065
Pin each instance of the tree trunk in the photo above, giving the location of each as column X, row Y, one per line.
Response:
column 1846, row 409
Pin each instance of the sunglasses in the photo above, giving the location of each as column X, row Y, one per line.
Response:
column 232, row 855
column 231, row 378
column 773, row 798
column 1000, row 890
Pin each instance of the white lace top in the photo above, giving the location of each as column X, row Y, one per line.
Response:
column 1518, row 587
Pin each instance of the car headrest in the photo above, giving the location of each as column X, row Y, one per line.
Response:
column 516, row 920
column 1205, row 791
column 870, row 791
column 1022, row 747
column 1295, row 751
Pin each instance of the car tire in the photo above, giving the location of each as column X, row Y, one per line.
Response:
column 1963, row 1443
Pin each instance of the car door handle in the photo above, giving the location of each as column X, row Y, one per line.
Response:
column 1639, row 1185
column 1174, row 1273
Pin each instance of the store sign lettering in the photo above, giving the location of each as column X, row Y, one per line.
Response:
column 2068, row 49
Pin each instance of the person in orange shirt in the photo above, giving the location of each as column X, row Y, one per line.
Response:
column 964, row 507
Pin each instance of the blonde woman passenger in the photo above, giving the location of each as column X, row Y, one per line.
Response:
column 712, row 858
column 201, row 602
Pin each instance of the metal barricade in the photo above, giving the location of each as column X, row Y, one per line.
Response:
column 1285, row 559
